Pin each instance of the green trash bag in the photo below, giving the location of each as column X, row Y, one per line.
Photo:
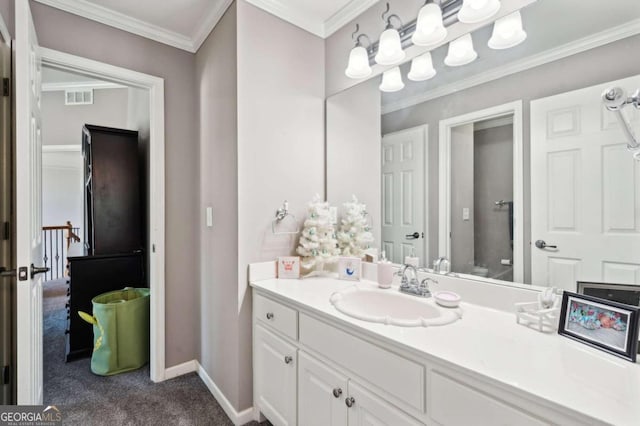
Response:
column 120, row 331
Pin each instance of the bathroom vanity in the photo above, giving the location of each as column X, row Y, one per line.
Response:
column 316, row 366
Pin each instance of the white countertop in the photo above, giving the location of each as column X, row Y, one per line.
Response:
column 489, row 342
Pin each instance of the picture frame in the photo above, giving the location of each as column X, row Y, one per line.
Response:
column 629, row 294
column 603, row 324
column 349, row 268
column 289, row 267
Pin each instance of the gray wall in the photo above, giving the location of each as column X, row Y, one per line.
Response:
column 353, row 150
column 575, row 72
column 462, row 231
column 62, row 124
column 216, row 67
column 72, row 34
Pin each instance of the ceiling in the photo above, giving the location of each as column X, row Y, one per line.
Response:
column 185, row 24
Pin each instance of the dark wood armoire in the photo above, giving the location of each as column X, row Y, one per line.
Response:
column 114, row 231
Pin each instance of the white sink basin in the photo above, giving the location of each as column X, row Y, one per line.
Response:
column 393, row 308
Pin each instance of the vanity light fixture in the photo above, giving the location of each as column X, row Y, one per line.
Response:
column 474, row 11
column 430, row 27
column 392, row 80
column 461, row 52
column 507, row 32
column 390, row 48
column 358, row 66
column 422, row 68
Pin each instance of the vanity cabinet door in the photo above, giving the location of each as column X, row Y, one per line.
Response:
column 322, row 392
column 275, row 365
column 367, row 409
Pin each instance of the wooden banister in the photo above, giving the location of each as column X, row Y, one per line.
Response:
column 70, row 237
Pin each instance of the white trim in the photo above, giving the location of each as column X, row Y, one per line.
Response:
column 590, row 42
column 342, row 17
column 490, row 124
column 155, row 86
column 238, row 418
column 122, row 22
column 444, row 221
column 209, row 22
column 62, row 148
column 4, row 31
column 282, row 11
column 80, row 85
column 181, row 369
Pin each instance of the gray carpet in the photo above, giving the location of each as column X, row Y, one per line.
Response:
column 124, row 399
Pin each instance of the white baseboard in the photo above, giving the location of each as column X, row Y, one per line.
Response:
column 181, row 369
column 238, row 418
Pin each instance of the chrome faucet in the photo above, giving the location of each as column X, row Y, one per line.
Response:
column 441, row 265
column 412, row 286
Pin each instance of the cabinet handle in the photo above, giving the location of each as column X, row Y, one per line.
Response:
column 288, row 359
column 337, row 392
column 269, row 315
column 350, row 401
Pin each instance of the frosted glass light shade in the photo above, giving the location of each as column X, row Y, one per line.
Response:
column 507, row 32
column 422, row 68
column 358, row 63
column 429, row 29
column 461, row 52
column 474, row 11
column 392, row 80
column 390, row 48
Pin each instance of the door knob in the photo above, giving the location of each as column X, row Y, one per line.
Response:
column 541, row 244
column 337, row 392
column 350, row 401
column 4, row 272
column 413, row 236
column 288, row 359
column 37, row 270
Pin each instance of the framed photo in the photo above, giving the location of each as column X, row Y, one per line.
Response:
column 349, row 268
column 289, row 267
column 604, row 324
column 628, row 294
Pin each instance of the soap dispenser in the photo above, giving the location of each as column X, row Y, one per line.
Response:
column 385, row 271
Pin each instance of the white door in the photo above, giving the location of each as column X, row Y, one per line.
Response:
column 585, row 191
column 367, row 409
column 28, row 207
column 403, row 194
column 322, row 392
column 275, row 366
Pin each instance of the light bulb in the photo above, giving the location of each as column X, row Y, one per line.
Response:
column 474, row 11
column 461, row 52
column 392, row 80
column 422, row 68
column 507, row 32
column 429, row 28
column 390, row 48
column 358, row 63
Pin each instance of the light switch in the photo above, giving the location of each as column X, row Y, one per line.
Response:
column 465, row 213
column 209, row 217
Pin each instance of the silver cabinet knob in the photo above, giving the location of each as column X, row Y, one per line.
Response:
column 269, row 315
column 337, row 392
column 350, row 401
column 288, row 359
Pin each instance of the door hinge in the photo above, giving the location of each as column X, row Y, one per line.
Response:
column 6, row 87
column 6, row 231
column 6, row 375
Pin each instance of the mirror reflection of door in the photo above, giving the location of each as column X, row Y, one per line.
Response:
column 404, row 194
column 481, row 187
column 585, row 190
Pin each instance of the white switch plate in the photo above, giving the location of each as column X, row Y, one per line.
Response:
column 209, row 217
column 465, row 213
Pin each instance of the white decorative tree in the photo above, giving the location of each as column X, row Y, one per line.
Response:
column 318, row 245
column 355, row 233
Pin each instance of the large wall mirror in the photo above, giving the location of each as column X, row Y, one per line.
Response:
column 510, row 166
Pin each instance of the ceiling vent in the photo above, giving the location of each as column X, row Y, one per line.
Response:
column 78, row 97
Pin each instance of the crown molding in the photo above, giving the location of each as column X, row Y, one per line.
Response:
column 611, row 35
column 350, row 11
column 122, row 22
column 208, row 24
column 80, row 85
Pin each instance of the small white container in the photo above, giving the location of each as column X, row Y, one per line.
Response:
column 385, row 272
column 448, row 299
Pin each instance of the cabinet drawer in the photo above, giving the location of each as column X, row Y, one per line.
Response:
column 398, row 377
column 278, row 316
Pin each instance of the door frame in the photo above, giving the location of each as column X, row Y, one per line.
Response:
column 444, row 166
column 156, row 185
